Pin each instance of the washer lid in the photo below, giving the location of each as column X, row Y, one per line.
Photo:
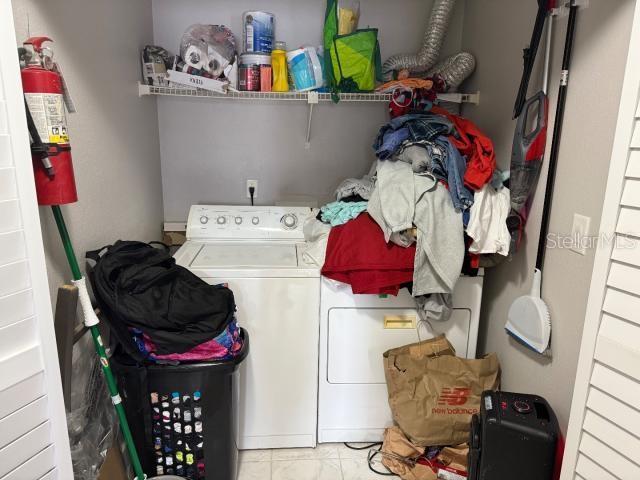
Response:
column 246, row 255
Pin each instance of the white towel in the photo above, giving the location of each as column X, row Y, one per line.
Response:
column 488, row 221
column 316, row 235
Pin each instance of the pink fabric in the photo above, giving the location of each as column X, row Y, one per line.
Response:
column 205, row 351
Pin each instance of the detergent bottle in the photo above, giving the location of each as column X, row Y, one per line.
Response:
column 279, row 67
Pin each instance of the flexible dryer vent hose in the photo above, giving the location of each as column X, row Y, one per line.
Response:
column 453, row 70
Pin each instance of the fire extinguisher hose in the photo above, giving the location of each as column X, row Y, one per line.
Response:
column 37, row 145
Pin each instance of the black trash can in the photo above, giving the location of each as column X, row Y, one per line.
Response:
column 183, row 418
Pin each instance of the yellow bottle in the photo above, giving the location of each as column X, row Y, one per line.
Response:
column 279, row 67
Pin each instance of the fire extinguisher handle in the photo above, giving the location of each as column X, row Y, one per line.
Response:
column 37, row 42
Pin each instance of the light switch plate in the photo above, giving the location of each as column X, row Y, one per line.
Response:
column 579, row 233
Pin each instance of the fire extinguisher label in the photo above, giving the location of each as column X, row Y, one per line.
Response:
column 47, row 110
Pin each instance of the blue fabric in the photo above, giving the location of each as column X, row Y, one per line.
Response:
column 456, row 167
column 438, row 155
column 390, row 142
column 136, row 334
column 466, row 217
column 423, row 119
column 498, row 179
column 409, row 129
column 428, row 128
column 339, row 213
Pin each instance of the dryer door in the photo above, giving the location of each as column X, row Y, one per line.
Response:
column 358, row 337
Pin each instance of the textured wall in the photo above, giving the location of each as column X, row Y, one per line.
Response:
column 114, row 135
column 600, row 52
column 210, row 148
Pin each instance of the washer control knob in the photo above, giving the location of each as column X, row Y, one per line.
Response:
column 290, row 221
column 238, row 220
column 221, row 220
column 522, row 407
column 204, row 219
column 255, row 220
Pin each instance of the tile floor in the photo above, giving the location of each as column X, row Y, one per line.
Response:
column 328, row 461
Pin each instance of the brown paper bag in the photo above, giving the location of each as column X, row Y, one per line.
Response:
column 433, row 393
column 395, row 445
column 451, row 462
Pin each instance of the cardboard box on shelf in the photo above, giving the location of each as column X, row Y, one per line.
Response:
column 197, row 81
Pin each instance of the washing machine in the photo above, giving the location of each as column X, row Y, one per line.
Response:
column 355, row 330
column 257, row 251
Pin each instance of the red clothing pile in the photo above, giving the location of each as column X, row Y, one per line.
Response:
column 357, row 254
column 476, row 146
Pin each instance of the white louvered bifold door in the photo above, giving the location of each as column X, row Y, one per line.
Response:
column 33, row 437
column 604, row 429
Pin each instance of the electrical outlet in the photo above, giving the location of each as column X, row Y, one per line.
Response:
column 579, row 233
column 254, row 184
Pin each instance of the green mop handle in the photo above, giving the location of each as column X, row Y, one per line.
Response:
column 91, row 321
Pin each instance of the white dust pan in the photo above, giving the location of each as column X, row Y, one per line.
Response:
column 529, row 318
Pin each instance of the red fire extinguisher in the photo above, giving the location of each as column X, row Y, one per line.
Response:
column 44, row 99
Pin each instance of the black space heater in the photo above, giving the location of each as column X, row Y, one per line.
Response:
column 514, row 437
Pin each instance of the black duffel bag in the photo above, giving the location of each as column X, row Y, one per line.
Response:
column 140, row 286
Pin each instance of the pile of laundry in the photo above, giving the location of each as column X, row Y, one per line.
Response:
column 159, row 311
column 432, row 206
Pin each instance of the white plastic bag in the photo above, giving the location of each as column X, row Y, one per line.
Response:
column 348, row 16
column 208, row 47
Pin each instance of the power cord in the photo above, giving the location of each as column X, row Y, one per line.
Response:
column 370, row 458
column 252, row 192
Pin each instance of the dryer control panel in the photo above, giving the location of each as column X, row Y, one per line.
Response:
column 234, row 222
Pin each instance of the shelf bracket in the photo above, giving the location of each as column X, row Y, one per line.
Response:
column 312, row 99
column 143, row 89
column 473, row 98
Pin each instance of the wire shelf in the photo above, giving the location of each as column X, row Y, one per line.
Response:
column 177, row 91
column 311, row 98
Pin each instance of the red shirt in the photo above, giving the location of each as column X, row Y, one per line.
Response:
column 357, row 254
column 476, row 146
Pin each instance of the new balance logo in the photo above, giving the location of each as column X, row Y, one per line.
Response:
column 454, row 397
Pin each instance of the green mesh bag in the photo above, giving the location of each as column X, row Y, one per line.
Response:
column 352, row 62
